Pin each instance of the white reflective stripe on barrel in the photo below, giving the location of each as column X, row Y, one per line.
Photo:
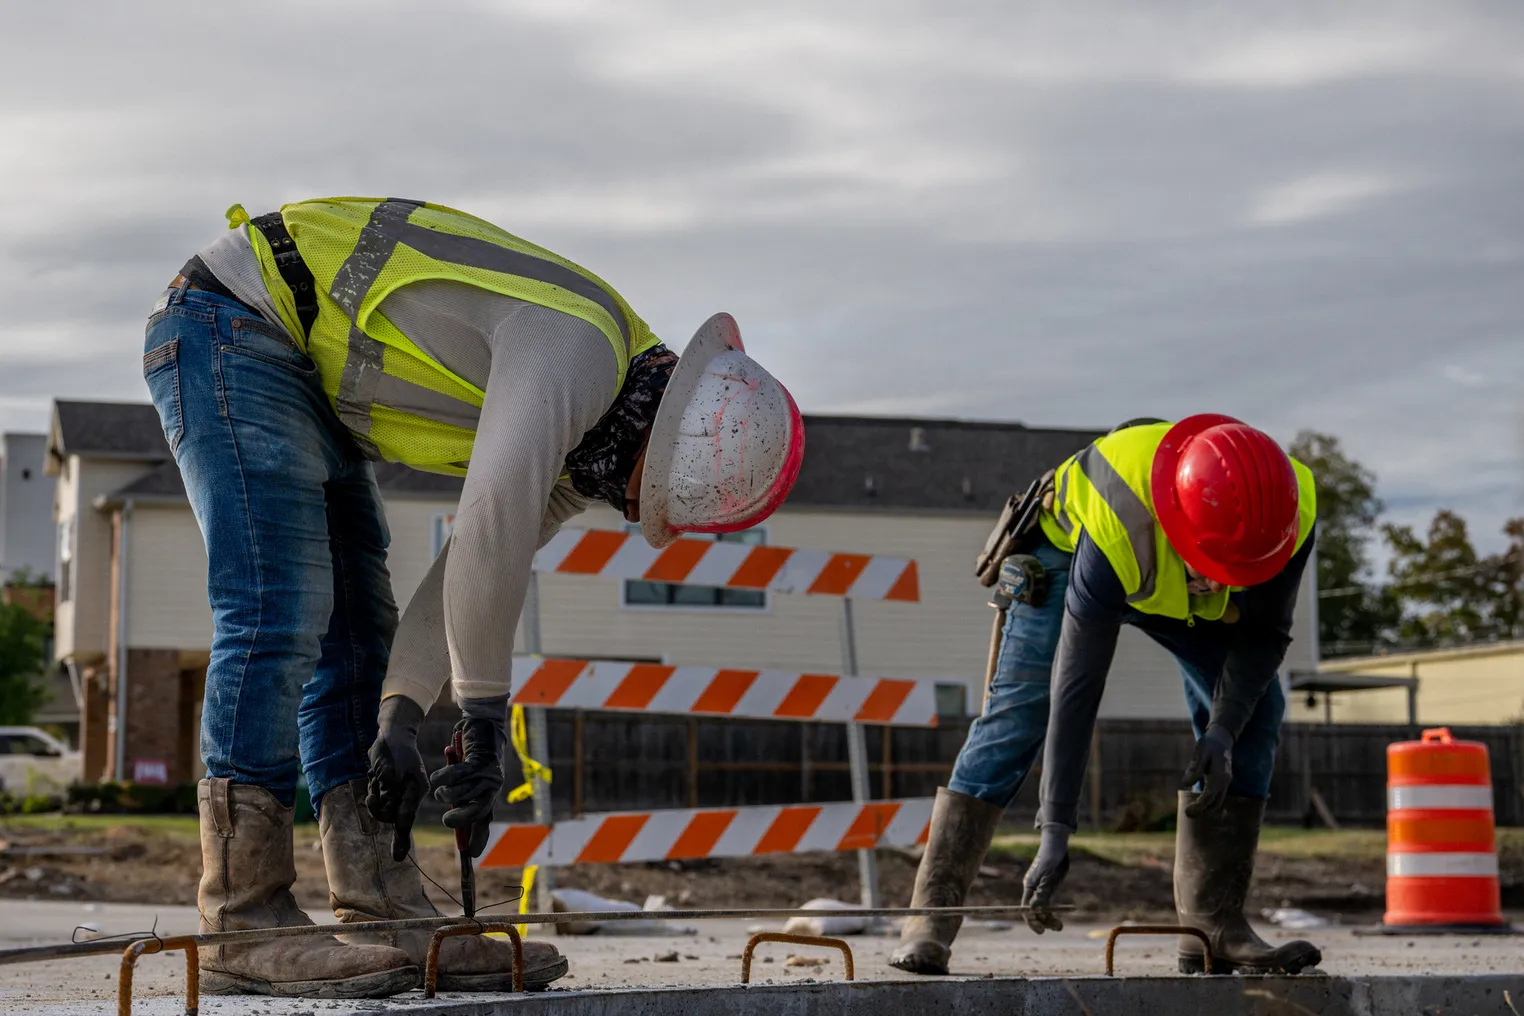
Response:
column 1441, row 865
column 1450, row 795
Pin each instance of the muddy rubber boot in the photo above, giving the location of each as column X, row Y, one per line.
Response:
column 1214, row 863
column 365, row 884
column 961, row 830
column 247, row 868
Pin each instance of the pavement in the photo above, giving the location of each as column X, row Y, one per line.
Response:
column 87, row 985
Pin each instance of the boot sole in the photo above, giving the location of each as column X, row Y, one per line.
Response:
column 909, row 959
column 382, row 984
column 537, row 979
column 1193, row 964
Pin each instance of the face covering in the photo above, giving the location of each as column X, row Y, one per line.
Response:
column 601, row 465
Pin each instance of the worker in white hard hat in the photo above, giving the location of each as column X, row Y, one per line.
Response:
column 284, row 359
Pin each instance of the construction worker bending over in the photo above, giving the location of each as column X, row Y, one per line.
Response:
column 287, row 356
column 1197, row 533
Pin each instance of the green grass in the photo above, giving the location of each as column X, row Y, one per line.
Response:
column 1286, row 841
column 180, row 827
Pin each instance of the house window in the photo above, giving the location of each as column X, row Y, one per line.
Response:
column 672, row 594
column 66, row 559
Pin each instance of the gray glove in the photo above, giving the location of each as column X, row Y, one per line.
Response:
column 397, row 776
column 1044, row 877
column 472, row 786
column 1212, row 767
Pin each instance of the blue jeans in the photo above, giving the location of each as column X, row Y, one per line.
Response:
column 296, row 542
column 1004, row 741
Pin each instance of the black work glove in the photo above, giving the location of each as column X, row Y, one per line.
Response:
column 1043, row 878
column 397, row 776
column 472, row 786
column 1212, row 767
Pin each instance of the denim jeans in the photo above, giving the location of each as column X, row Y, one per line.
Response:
column 1004, row 741
column 296, row 542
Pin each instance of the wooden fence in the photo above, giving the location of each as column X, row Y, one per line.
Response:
column 606, row 761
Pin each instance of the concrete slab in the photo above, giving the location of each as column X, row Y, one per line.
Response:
column 697, row 975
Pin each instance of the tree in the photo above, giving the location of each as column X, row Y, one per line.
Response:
column 1447, row 591
column 1355, row 615
column 23, row 642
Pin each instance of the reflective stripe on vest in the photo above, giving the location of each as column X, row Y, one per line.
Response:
column 1094, row 495
column 400, row 403
column 1130, row 510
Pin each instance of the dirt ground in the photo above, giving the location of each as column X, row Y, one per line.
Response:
column 1114, row 877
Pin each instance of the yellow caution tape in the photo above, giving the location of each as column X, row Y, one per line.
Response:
column 532, row 769
column 530, row 871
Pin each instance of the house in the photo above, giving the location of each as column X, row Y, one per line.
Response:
column 26, row 508
column 1467, row 685
column 132, row 597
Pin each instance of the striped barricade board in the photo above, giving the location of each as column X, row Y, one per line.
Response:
column 683, row 834
column 699, row 562
column 721, row 691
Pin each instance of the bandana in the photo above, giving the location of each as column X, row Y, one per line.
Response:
column 601, row 465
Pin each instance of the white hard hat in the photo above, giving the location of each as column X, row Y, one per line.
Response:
column 726, row 445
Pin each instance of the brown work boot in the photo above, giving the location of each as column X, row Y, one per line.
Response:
column 365, row 884
column 961, row 829
column 1214, row 863
column 247, row 869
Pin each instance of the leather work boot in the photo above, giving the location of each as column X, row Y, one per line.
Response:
column 365, row 884
column 961, row 830
column 1214, row 863
column 247, row 868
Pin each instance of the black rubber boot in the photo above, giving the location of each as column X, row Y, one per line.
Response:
column 1214, row 863
column 961, row 830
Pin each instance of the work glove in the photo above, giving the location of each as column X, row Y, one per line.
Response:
column 397, row 778
column 472, row 786
column 1212, row 767
column 1045, row 875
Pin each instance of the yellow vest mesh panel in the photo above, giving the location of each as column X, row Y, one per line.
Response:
column 401, row 404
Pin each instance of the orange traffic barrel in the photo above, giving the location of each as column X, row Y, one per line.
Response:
column 1441, row 851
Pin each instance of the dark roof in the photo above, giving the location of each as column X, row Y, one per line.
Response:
column 163, row 484
column 888, row 463
column 852, row 462
column 106, row 430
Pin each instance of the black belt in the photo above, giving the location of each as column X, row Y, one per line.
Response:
column 288, row 261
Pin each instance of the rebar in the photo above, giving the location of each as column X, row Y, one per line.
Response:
column 1157, row 929
column 33, row 954
column 146, row 946
column 779, row 936
column 475, row 927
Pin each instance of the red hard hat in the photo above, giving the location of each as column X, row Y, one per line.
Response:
column 1226, row 497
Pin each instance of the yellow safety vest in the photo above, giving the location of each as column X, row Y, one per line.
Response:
column 400, row 403
column 1105, row 491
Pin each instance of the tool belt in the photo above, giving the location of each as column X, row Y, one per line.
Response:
column 1017, row 531
column 293, row 270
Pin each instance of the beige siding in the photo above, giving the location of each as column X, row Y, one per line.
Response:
column 166, row 580
column 1469, row 686
column 81, row 482
column 945, row 635
column 411, row 521
column 167, row 606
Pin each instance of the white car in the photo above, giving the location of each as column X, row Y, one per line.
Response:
column 32, row 761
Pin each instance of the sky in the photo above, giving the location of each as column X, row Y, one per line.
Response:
column 1068, row 214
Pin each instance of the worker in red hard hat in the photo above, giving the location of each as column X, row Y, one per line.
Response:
column 1198, row 534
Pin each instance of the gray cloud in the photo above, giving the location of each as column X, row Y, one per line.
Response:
column 1067, row 214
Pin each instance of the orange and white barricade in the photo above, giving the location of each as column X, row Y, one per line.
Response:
column 682, row 834
column 699, row 562
column 1441, row 862
column 723, row 692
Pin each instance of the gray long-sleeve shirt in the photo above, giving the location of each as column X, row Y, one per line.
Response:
column 548, row 378
column 1249, row 652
